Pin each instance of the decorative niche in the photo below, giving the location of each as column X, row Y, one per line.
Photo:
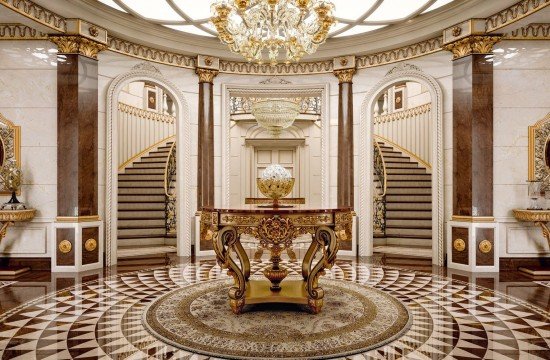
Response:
column 10, row 147
column 539, row 149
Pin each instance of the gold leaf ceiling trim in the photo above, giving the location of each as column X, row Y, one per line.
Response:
column 530, row 32
column 36, row 13
column 403, row 53
column 514, row 13
column 20, row 32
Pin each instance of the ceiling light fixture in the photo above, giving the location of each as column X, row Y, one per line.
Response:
column 259, row 29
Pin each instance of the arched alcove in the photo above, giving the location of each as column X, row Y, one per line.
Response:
column 148, row 73
column 400, row 73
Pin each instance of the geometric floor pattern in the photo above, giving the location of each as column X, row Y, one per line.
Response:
column 102, row 319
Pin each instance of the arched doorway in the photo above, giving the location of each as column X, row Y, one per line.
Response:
column 148, row 74
column 401, row 74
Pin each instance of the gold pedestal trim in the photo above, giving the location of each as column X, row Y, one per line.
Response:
column 473, row 219
column 77, row 219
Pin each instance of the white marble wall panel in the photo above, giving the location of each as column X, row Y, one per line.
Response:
column 28, row 98
column 521, row 78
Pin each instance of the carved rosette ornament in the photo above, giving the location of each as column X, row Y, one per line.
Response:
column 206, row 75
column 345, row 76
column 476, row 44
column 74, row 44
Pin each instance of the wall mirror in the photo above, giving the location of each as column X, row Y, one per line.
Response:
column 10, row 147
column 539, row 149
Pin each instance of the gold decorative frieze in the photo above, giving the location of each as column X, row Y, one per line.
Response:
column 79, row 27
column 477, row 44
column 150, row 54
column 403, row 53
column 20, row 32
column 317, row 67
column 344, row 76
column 530, row 32
column 74, row 44
column 206, row 75
column 514, row 13
column 36, row 13
column 145, row 114
column 485, row 246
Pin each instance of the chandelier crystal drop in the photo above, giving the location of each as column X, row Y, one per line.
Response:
column 260, row 29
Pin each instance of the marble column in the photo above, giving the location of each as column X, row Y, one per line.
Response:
column 205, row 170
column 78, row 228
column 345, row 137
column 472, row 230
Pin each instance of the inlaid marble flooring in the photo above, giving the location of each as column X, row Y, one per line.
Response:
column 101, row 318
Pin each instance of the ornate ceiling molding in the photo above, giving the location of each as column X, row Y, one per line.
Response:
column 36, row 13
column 514, row 13
column 317, row 67
column 530, row 32
column 476, row 44
column 403, row 53
column 20, row 32
column 75, row 44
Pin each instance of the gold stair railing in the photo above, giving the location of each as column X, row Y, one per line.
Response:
column 379, row 213
column 170, row 191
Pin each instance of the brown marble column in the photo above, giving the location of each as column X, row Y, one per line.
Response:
column 345, row 137
column 205, row 170
column 77, row 146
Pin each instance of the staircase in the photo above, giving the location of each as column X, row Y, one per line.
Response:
column 141, row 206
column 408, row 205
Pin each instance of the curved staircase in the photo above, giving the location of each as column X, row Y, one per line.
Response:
column 141, row 206
column 408, row 205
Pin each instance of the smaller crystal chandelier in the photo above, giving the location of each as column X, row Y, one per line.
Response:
column 275, row 115
column 254, row 27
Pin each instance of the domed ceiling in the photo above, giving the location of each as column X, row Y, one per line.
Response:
column 354, row 16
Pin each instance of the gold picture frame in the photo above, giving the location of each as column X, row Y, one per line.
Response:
column 10, row 140
column 539, row 136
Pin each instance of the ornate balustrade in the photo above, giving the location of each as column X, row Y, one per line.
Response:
column 379, row 207
column 243, row 105
column 170, row 191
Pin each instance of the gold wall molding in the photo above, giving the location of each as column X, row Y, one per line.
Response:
column 514, row 13
column 206, row 75
column 317, row 67
column 146, row 114
column 20, row 32
column 74, row 44
column 476, row 44
column 402, row 115
column 36, row 13
column 150, row 54
column 403, row 53
column 344, row 76
column 530, row 32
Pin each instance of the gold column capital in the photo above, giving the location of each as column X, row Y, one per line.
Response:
column 345, row 75
column 474, row 44
column 206, row 75
column 77, row 44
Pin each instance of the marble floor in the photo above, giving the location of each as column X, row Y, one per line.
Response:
column 97, row 315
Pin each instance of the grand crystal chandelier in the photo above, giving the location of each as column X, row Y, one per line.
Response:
column 257, row 29
column 275, row 115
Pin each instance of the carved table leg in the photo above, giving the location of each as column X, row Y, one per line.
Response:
column 545, row 230
column 226, row 241
column 258, row 254
column 291, row 254
column 325, row 240
column 4, row 229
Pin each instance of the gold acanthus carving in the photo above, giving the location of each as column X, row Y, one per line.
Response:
column 74, row 44
column 145, row 114
column 459, row 245
column 485, row 246
column 206, row 75
column 476, row 44
column 345, row 76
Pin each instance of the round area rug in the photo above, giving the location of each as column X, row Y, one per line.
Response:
column 354, row 319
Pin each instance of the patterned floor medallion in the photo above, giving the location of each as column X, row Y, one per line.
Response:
column 103, row 319
column 354, row 319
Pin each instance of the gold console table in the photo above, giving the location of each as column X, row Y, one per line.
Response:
column 540, row 218
column 276, row 228
column 7, row 219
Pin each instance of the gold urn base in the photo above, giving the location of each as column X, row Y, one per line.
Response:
column 275, row 276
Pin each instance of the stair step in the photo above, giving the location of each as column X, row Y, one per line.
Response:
column 148, row 165
column 144, row 232
column 409, row 223
column 417, row 233
column 408, row 241
column 405, row 171
column 140, row 184
column 161, row 198
column 154, row 159
column 402, row 165
column 409, row 191
column 140, row 223
column 149, row 171
column 140, row 241
column 408, row 184
column 409, row 206
column 143, row 177
column 411, row 177
column 141, row 206
column 408, row 198
column 403, row 214
column 145, row 191
column 397, row 160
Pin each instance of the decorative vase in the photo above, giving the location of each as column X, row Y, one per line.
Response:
column 275, row 183
column 12, row 178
